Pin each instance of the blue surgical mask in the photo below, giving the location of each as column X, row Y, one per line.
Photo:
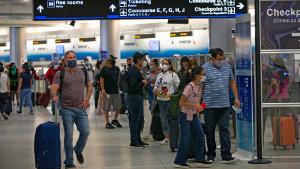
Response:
column 72, row 63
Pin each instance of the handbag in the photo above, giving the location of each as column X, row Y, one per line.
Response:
column 153, row 106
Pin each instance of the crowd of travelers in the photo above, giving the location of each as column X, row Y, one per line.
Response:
column 198, row 97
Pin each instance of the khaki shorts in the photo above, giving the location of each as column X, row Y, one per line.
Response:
column 112, row 101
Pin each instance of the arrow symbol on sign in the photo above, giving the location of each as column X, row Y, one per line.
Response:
column 240, row 5
column 112, row 8
column 40, row 8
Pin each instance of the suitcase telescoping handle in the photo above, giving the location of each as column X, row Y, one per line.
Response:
column 56, row 113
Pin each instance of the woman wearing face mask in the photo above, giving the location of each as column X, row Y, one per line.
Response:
column 13, row 74
column 154, row 70
column 166, row 84
column 189, row 121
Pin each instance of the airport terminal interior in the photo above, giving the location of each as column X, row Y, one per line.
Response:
column 25, row 38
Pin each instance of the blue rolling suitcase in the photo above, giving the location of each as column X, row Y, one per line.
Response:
column 47, row 145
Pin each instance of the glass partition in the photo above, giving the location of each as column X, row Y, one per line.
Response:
column 281, row 104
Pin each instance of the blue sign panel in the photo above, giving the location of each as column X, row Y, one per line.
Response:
column 245, row 137
column 136, row 9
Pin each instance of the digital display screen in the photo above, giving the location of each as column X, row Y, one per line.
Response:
column 154, row 45
column 60, row 49
column 136, row 9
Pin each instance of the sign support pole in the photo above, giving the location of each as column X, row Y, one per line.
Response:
column 258, row 108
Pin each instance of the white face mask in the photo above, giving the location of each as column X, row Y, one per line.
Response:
column 145, row 64
column 203, row 79
column 55, row 66
column 165, row 67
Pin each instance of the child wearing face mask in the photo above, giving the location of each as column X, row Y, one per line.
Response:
column 190, row 122
column 166, row 84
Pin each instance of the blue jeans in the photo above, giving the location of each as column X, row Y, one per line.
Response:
column 150, row 95
column 186, row 127
column 163, row 112
column 220, row 116
column 136, row 117
column 80, row 118
column 25, row 95
column 3, row 102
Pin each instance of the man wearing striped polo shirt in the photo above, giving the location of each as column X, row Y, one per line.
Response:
column 216, row 96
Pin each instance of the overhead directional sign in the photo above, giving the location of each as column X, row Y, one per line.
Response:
column 136, row 9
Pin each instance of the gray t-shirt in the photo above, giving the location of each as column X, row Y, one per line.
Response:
column 72, row 88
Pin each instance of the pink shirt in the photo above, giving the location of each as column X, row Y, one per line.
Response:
column 283, row 87
column 193, row 93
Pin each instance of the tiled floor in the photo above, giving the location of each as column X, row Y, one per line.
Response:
column 106, row 149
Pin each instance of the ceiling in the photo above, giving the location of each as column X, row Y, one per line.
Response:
column 15, row 2
column 18, row 13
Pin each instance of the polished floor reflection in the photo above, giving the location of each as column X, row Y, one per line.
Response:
column 106, row 149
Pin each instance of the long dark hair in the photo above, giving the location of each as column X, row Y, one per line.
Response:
column 26, row 67
column 196, row 71
column 170, row 63
column 98, row 63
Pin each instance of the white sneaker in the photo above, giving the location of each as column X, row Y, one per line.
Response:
column 181, row 166
column 165, row 141
column 229, row 161
column 200, row 165
column 148, row 138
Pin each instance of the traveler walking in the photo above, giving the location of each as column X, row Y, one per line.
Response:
column 109, row 81
column 190, row 122
column 216, row 96
column 71, row 83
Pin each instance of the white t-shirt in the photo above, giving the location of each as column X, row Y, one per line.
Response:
column 3, row 82
column 166, row 84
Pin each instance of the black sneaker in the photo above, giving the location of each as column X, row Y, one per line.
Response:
column 136, row 146
column 228, row 160
column 67, row 166
column 116, row 123
column 144, row 144
column 109, row 126
column 80, row 158
column 19, row 112
column 5, row 118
